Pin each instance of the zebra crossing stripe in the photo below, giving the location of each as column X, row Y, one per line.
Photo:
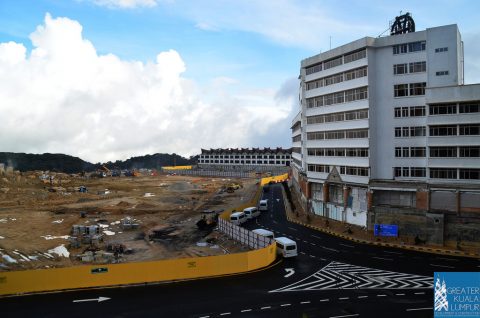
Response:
column 338, row 275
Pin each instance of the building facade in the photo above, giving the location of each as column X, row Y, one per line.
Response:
column 389, row 134
column 256, row 159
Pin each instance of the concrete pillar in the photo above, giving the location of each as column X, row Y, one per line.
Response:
column 458, row 197
column 326, row 194
column 369, row 200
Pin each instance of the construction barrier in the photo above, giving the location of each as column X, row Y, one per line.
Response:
column 177, row 168
column 242, row 235
column 275, row 179
column 55, row 279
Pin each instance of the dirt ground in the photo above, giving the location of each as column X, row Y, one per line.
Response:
column 36, row 223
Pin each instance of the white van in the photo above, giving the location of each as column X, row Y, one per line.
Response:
column 263, row 205
column 286, row 247
column 264, row 232
column 251, row 212
column 238, row 218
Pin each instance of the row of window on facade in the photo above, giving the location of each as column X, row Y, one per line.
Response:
column 411, row 89
column 338, row 152
column 406, row 68
column 437, row 109
column 338, row 97
column 337, row 78
column 336, row 61
column 438, row 130
column 347, row 170
column 248, row 162
column 340, row 116
column 245, row 156
column 409, row 47
column 437, row 173
column 338, row 134
column 439, row 152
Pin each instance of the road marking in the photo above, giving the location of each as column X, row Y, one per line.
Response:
column 284, row 305
column 318, row 237
column 360, row 297
column 392, row 252
column 305, row 302
column 290, row 272
column 425, row 308
column 225, row 313
column 312, row 244
column 323, row 259
column 305, row 242
column 245, row 310
column 291, row 228
column 312, row 255
column 330, row 249
column 354, row 315
column 325, row 299
column 302, row 253
column 266, row 307
column 343, row 298
column 99, row 299
column 346, row 245
column 400, row 294
column 381, row 295
column 448, row 259
column 420, row 293
column 442, row 266
column 204, row 317
column 386, row 259
column 275, row 222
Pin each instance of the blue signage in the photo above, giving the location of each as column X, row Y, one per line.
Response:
column 385, row 230
column 456, row 294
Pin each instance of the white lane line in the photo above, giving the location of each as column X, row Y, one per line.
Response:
column 385, row 259
column 275, row 222
column 302, row 253
column 305, row 242
column 312, row 255
column 245, row 310
column 330, row 249
column 346, row 245
column 225, row 313
column 354, row 315
column 305, row 302
column 291, row 228
column 266, row 307
column 381, row 295
column 397, row 253
column 442, row 266
column 400, row 294
column 285, row 305
column 312, row 244
column 343, row 298
column 360, row 297
column 326, row 299
column 204, row 317
column 318, row 237
column 425, row 308
column 323, row 259
column 448, row 259
column 420, row 293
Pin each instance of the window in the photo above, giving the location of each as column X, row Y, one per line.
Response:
column 417, row 111
column 404, row 111
column 355, row 56
column 400, row 49
column 314, row 69
column 398, row 171
column 405, row 131
column 332, row 63
column 398, row 131
column 398, row 112
column 398, row 152
column 297, row 138
column 441, row 49
column 416, row 46
column 357, row 133
column 418, row 131
column 319, row 168
column 450, row 130
column 405, row 152
column 319, row 135
column 418, row 152
column 443, row 152
column 405, row 172
column 417, row 67
column 354, row 171
column 470, row 174
column 400, row 69
column 443, row 173
column 470, row 152
column 470, row 130
column 442, row 109
column 418, row 172
column 417, row 89
column 441, row 73
column 465, row 108
column 400, row 90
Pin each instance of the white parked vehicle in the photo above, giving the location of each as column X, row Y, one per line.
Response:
column 263, row 205
column 264, row 232
column 251, row 212
column 286, row 247
column 238, row 218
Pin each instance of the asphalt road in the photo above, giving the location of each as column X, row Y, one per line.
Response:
column 331, row 277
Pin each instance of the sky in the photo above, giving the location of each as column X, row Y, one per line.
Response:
column 106, row 80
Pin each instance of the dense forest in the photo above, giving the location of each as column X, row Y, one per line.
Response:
column 70, row 164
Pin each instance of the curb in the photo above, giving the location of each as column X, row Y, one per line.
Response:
column 405, row 247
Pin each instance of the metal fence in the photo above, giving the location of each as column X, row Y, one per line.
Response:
column 213, row 173
column 242, row 235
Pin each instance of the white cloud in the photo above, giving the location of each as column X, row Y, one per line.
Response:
column 126, row 4
column 65, row 97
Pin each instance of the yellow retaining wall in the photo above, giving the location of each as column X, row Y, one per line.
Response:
column 279, row 178
column 133, row 273
column 177, row 168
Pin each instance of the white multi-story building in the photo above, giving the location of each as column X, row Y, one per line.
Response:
column 388, row 122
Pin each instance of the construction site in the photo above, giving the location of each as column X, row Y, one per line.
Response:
column 50, row 220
